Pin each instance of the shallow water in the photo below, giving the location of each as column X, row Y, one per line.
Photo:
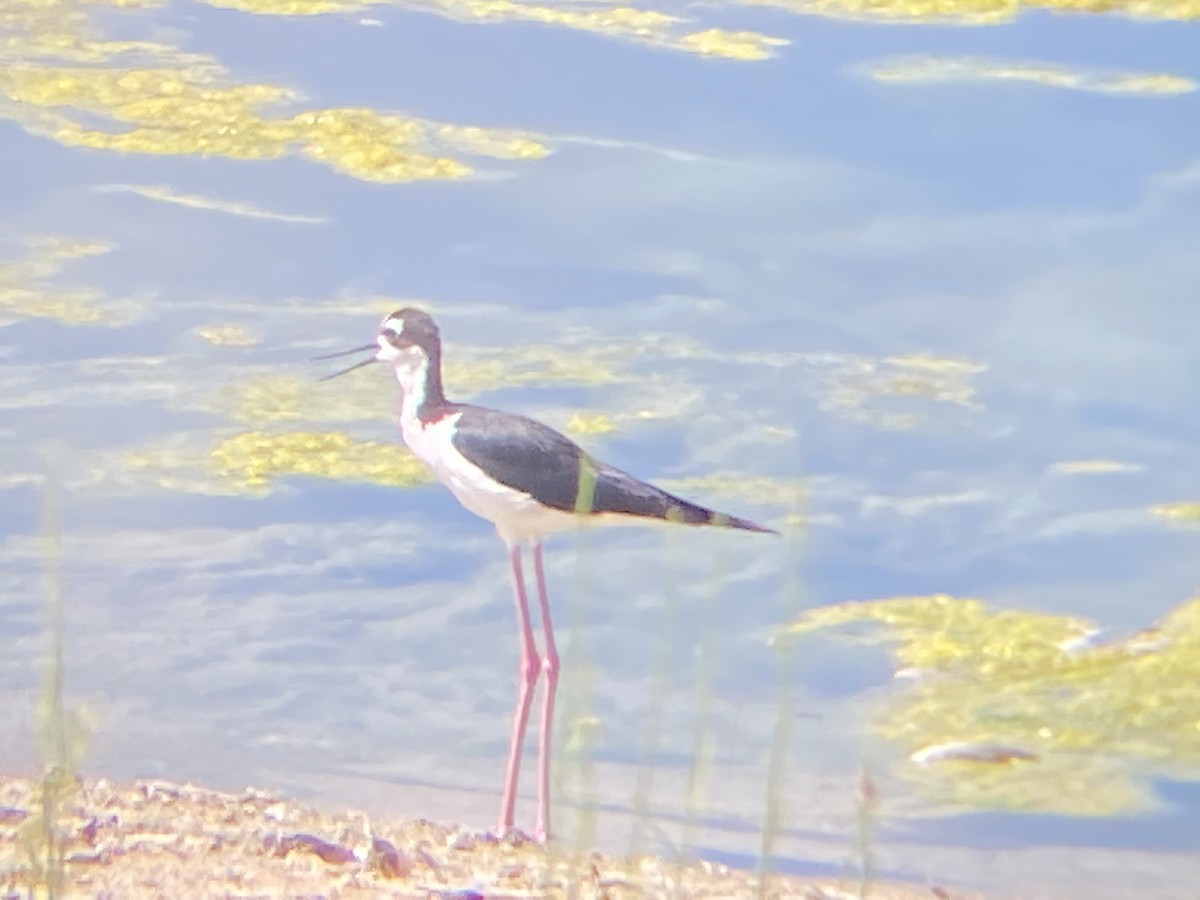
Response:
column 919, row 295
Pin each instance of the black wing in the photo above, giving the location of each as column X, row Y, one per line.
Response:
column 533, row 458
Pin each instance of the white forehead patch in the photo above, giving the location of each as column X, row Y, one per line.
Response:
column 395, row 326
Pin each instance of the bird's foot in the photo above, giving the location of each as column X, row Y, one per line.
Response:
column 512, row 836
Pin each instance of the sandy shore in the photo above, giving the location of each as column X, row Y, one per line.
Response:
column 159, row 839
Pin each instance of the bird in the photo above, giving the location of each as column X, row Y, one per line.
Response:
column 530, row 482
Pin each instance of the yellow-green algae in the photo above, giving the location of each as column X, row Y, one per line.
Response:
column 535, row 364
column 227, row 335
column 31, row 30
column 61, row 81
column 937, row 69
column 667, row 30
column 925, row 375
column 62, row 29
column 255, row 458
column 266, row 399
column 982, row 12
column 852, row 382
column 582, row 423
column 1093, row 467
column 1096, row 716
column 1183, row 511
column 605, row 19
column 193, row 111
column 180, row 462
column 28, row 284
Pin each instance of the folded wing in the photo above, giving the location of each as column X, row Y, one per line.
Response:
column 533, row 458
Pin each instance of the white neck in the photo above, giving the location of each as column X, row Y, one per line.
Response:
column 411, row 368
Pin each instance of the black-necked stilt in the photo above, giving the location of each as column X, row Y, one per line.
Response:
column 530, row 482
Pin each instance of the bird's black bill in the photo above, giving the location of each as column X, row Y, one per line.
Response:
column 357, row 365
column 363, row 349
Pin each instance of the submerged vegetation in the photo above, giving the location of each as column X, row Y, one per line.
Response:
column 1020, row 710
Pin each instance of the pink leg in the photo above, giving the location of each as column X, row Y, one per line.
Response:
column 526, row 679
column 550, row 668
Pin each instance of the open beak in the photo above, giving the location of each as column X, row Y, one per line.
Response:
column 357, row 365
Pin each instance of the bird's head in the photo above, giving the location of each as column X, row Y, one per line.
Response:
column 405, row 334
column 407, row 340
